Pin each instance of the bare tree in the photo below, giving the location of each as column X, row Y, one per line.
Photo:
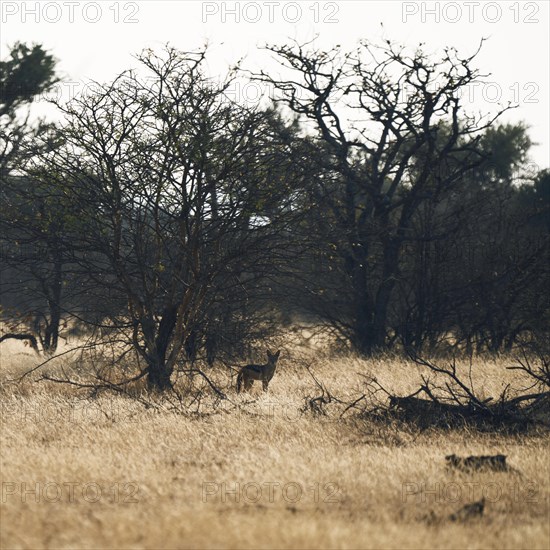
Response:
column 171, row 205
column 389, row 134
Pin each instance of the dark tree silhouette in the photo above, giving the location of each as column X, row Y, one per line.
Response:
column 176, row 220
column 391, row 135
column 30, row 247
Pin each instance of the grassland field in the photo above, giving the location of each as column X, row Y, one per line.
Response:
column 257, row 470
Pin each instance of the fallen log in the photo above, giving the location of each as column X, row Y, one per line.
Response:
column 495, row 463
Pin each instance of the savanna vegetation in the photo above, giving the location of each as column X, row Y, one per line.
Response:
column 261, row 470
column 392, row 243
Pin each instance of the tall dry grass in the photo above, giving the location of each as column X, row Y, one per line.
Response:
column 256, row 470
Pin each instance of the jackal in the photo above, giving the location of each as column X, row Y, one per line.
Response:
column 265, row 373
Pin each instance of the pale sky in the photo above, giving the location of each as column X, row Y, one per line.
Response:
column 96, row 40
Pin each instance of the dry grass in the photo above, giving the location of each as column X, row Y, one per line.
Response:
column 258, row 472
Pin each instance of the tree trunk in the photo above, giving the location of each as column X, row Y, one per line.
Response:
column 159, row 369
column 371, row 317
column 356, row 266
column 54, row 293
column 158, row 375
column 389, row 278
